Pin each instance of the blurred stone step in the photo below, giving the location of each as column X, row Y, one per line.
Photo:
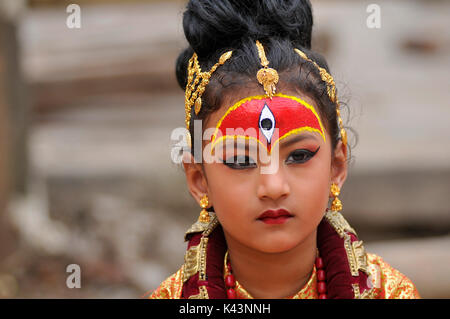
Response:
column 111, row 52
column 402, row 200
column 123, row 142
column 425, row 261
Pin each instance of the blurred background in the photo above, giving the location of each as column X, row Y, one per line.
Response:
column 86, row 116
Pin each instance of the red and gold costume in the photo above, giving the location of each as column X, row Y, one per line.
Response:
column 351, row 273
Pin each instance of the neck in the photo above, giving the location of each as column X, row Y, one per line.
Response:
column 284, row 273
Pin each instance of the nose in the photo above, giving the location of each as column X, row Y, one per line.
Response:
column 273, row 185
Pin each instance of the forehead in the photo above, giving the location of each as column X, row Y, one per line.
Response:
column 267, row 121
column 213, row 119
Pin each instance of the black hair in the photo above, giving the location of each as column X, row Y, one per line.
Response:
column 213, row 27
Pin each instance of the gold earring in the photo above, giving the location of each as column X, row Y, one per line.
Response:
column 204, row 215
column 336, row 205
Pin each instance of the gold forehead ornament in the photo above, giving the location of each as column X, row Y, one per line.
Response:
column 266, row 76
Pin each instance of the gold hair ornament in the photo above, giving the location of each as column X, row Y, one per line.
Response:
column 196, row 87
column 331, row 90
column 266, row 76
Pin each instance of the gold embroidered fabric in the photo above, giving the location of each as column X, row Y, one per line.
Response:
column 170, row 288
column 309, row 290
column 387, row 281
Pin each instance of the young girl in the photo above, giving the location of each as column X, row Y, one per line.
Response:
column 275, row 152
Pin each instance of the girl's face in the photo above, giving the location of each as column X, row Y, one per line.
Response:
column 296, row 179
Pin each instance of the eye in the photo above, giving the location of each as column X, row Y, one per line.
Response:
column 300, row 156
column 240, row 162
column 267, row 122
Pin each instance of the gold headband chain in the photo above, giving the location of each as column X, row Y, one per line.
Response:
column 194, row 89
column 331, row 90
column 266, row 76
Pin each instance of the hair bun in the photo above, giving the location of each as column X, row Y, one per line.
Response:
column 211, row 25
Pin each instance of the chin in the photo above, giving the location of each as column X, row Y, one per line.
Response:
column 276, row 247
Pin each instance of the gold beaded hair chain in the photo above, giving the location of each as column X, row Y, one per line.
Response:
column 331, row 90
column 196, row 88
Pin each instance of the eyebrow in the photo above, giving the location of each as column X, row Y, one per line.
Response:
column 297, row 138
column 239, row 144
column 284, row 143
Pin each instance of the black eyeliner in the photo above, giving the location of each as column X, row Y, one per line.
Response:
column 308, row 152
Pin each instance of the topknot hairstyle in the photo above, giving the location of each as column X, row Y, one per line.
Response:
column 213, row 27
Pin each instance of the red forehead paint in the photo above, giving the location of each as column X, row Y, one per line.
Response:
column 257, row 117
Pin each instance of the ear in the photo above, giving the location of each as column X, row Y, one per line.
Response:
column 195, row 177
column 339, row 165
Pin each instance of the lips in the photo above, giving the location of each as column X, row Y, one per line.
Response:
column 275, row 216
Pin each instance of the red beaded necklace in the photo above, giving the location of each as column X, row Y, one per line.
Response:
column 230, row 281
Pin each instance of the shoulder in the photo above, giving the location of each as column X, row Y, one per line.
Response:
column 169, row 288
column 388, row 282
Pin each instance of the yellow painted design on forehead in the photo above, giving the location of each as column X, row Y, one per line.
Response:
column 216, row 140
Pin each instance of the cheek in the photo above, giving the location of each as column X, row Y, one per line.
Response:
column 315, row 184
column 233, row 198
column 309, row 184
column 227, row 189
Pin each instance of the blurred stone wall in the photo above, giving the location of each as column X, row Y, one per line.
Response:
column 3, row 129
column 103, row 192
column 11, row 141
column 4, row 135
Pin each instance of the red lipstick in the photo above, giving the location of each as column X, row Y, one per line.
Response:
column 275, row 216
